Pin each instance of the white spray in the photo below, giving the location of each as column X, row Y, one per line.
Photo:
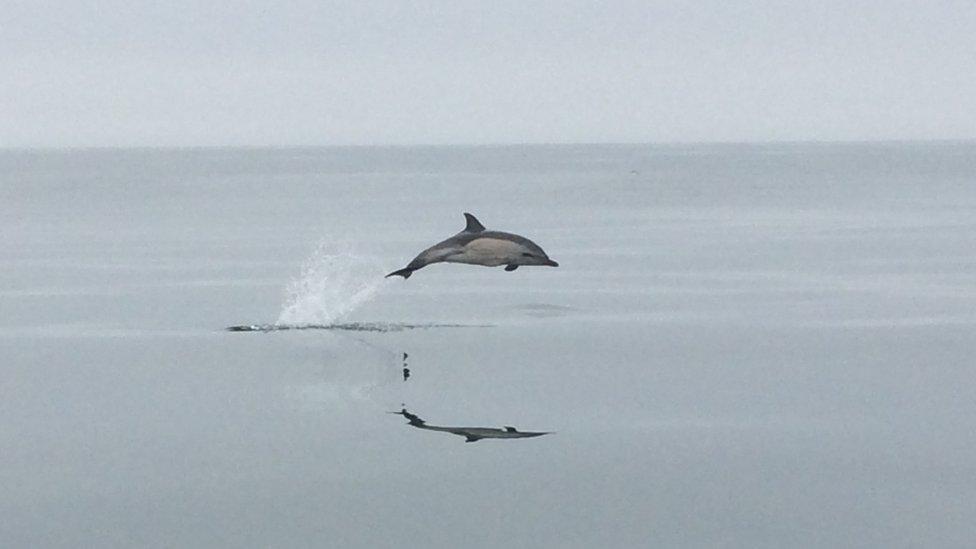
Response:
column 333, row 282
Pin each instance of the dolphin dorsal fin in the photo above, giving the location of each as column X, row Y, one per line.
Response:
column 511, row 429
column 473, row 225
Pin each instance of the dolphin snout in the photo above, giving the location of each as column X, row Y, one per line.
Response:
column 551, row 263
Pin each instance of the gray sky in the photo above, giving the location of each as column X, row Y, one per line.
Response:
column 319, row 73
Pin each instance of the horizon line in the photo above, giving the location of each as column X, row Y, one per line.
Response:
column 894, row 141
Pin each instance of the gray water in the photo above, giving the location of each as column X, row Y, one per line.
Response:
column 743, row 346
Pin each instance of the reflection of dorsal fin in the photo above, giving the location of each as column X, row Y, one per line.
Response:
column 511, row 429
column 473, row 226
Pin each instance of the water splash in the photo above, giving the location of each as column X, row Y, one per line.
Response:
column 334, row 281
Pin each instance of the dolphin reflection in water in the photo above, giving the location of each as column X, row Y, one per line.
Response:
column 470, row 434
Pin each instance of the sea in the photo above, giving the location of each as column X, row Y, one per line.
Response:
column 744, row 345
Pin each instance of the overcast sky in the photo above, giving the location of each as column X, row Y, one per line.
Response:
column 128, row 72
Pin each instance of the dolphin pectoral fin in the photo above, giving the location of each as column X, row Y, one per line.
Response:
column 511, row 268
column 405, row 273
column 472, row 438
column 472, row 224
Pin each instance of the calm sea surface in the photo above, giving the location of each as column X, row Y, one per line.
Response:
column 743, row 346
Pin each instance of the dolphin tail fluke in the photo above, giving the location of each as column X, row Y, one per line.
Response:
column 405, row 273
column 413, row 419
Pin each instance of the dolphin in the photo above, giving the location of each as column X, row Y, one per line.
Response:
column 470, row 434
column 477, row 246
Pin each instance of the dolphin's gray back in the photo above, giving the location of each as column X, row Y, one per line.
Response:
column 445, row 248
column 477, row 246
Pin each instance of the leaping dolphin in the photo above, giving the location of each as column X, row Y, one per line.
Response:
column 477, row 246
column 470, row 434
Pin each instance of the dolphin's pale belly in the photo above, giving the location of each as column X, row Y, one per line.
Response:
column 490, row 252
